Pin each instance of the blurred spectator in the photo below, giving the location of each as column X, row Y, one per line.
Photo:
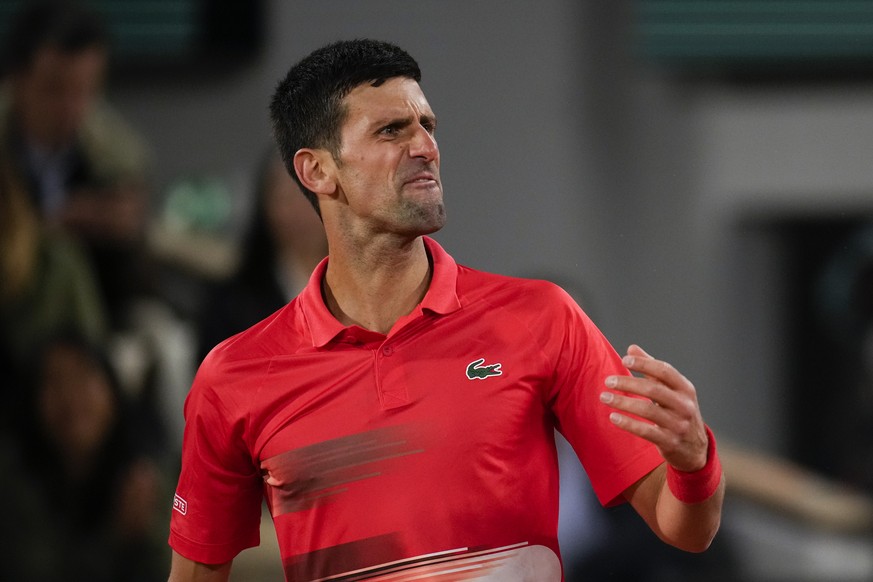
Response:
column 80, row 163
column 283, row 244
column 45, row 285
column 85, row 171
column 93, row 498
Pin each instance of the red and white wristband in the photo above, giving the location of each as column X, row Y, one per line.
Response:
column 698, row 485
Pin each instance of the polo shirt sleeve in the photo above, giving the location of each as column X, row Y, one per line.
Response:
column 583, row 358
column 217, row 507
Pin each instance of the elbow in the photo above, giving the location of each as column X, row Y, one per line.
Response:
column 698, row 547
column 698, row 542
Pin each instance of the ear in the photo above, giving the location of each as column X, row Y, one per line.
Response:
column 315, row 168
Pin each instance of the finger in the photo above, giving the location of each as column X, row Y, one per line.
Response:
column 639, row 407
column 644, row 388
column 674, row 418
column 673, row 410
column 635, row 350
column 646, row 430
column 679, row 450
column 658, row 370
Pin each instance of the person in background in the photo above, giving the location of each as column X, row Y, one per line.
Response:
column 81, row 164
column 94, row 489
column 46, row 285
column 85, row 171
column 283, row 244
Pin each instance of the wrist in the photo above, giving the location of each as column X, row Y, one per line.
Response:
column 700, row 485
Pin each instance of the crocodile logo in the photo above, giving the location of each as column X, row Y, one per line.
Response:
column 476, row 371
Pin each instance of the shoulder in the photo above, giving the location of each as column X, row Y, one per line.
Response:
column 281, row 333
column 230, row 379
column 539, row 308
column 516, row 292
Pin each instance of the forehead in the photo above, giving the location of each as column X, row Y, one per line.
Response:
column 397, row 97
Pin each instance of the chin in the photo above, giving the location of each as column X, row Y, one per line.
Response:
column 422, row 219
column 436, row 222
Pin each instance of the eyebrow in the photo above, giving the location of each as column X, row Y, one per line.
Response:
column 403, row 121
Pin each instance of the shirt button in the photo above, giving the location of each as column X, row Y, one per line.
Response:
column 387, row 350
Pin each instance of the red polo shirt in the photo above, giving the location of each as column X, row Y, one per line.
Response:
column 426, row 451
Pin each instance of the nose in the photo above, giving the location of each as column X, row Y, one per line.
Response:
column 424, row 145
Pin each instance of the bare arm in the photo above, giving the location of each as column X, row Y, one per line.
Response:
column 667, row 415
column 185, row 570
column 688, row 526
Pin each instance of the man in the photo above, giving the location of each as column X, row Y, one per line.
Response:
column 398, row 415
column 83, row 167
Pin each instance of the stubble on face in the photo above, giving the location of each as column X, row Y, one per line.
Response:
column 425, row 214
column 398, row 176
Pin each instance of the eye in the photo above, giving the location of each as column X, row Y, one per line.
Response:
column 390, row 130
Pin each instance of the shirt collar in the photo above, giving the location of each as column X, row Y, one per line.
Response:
column 441, row 297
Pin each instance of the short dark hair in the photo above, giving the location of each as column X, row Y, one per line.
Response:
column 71, row 27
column 307, row 109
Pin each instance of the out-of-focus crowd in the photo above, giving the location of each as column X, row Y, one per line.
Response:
column 96, row 356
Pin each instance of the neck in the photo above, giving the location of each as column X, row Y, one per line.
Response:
column 376, row 286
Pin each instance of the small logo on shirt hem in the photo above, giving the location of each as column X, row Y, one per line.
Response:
column 180, row 504
column 476, row 371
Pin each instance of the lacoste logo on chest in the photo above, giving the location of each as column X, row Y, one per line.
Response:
column 476, row 371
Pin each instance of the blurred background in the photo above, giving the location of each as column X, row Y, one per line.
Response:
column 697, row 172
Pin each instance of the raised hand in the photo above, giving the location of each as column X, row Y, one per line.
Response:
column 660, row 406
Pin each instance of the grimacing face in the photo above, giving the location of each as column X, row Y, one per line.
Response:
column 389, row 161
